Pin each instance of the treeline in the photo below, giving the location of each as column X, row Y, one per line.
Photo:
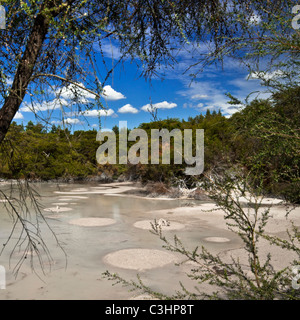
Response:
column 33, row 153
column 261, row 139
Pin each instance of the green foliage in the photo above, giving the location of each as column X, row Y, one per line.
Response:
column 267, row 142
column 263, row 138
column 36, row 154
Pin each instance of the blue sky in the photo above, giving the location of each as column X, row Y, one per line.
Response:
column 128, row 95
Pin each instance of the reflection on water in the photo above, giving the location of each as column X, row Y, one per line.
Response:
column 86, row 246
column 116, row 211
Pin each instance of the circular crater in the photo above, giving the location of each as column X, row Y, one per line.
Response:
column 217, row 239
column 146, row 225
column 92, row 222
column 139, row 259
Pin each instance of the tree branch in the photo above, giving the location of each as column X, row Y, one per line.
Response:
column 69, row 81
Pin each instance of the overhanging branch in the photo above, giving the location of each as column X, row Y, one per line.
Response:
column 49, row 75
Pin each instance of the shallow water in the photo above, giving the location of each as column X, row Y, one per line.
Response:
column 79, row 274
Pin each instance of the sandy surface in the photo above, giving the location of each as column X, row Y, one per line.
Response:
column 117, row 194
column 74, row 197
column 216, row 239
column 124, row 244
column 92, row 222
column 139, row 259
column 58, row 209
column 146, row 225
column 54, row 216
column 60, row 203
column 112, row 188
column 143, row 297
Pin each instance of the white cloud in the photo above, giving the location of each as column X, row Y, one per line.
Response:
column 72, row 121
column 209, row 107
column 215, row 89
column 265, row 75
column 199, row 96
column 18, row 116
column 44, row 106
column 128, row 108
column 72, row 91
column 106, row 130
column 211, row 89
column 9, row 81
column 187, row 58
column 96, row 113
column 215, row 100
column 254, row 19
column 67, row 121
column 109, row 50
column 159, row 105
column 26, row 108
column 111, row 95
column 250, row 89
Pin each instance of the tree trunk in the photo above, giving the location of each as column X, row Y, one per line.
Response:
column 26, row 66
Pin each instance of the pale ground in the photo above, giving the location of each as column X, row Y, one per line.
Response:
column 185, row 220
column 209, row 215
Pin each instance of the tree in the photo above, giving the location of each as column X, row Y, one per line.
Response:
column 50, row 43
column 48, row 46
column 54, row 128
column 267, row 142
column 115, row 129
column 37, row 128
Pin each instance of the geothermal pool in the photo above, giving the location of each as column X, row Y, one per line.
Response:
column 102, row 228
